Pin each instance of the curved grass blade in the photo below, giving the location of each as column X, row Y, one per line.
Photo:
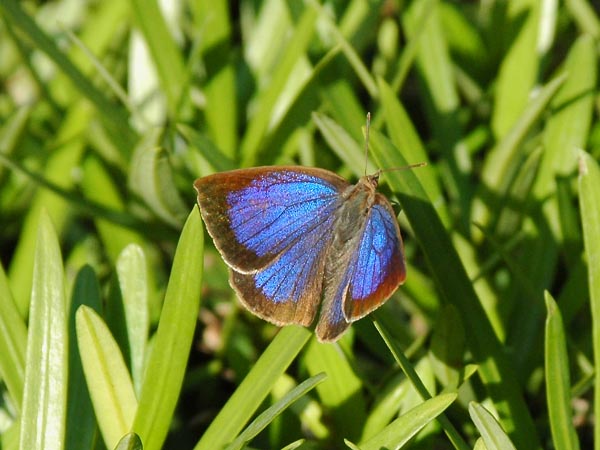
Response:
column 265, row 418
column 493, row 435
column 130, row 441
column 503, row 160
column 254, row 388
column 151, row 178
column 558, row 381
column 403, row 135
column 343, row 144
column 401, row 430
column 108, row 380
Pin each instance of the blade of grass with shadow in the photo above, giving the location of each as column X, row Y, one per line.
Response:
column 306, row 101
column 435, row 67
column 216, row 44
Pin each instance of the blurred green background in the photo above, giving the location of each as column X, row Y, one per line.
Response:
column 114, row 318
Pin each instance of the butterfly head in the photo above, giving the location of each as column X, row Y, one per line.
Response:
column 374, row 179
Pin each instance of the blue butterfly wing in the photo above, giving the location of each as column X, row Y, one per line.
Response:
column 273, row 227
column 374, row 271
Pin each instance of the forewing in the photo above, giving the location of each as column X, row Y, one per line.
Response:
column 374, row 272
column 253, row 215
column 272, row 225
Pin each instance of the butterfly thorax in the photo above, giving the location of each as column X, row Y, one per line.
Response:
column 350, row 219
column 355, row 203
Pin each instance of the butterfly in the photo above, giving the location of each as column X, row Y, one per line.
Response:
column 300, row 241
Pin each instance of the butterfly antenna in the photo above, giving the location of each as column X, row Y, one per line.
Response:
column 410, row 166
column 367, row 141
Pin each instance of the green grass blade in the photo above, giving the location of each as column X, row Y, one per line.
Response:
column 220, row 89
column 166, row 366
column 519, row 68
column 386, row 405
column 585, row 16
column 108, row 380
column 411, row 49
column 254, row 388
column 264, row 419
column 351, row 55
column 133, row 283
column 568, row 127
column 97, row 35
column 435, row 68
column 342, row 392
column 13, row 128
column 343, row 144
column 151, row 177
column 205, row 149
column 404, row 136
column 589, row 201
column 130, row 441
column 492, row 433
column 401, row 430
column 45, row 392
column 504, row 159
column 98, row 186
column 558, row 381
column 82, row 430
column 299, row 112
column 447, row 347
column 13, row 343
column 166, row 55
column 435, row 65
